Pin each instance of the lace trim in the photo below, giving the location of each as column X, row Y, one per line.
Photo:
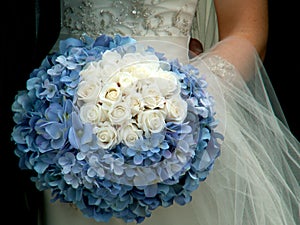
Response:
column 221, row 67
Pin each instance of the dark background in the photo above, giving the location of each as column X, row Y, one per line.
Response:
column 24, row 43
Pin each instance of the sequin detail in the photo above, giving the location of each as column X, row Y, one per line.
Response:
column 128, row 17
column 221, row 67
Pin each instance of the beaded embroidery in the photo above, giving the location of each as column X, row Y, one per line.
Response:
column 127, row 17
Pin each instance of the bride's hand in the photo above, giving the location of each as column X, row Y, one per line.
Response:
column 195, row 48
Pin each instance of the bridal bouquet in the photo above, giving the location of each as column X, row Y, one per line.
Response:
column 115, row 128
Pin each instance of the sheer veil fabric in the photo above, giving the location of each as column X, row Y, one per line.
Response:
column 255, row 179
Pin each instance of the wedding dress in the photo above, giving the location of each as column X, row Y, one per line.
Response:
column 255, row 179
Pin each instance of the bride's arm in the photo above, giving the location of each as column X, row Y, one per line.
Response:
column 246, row 19
column 243, row 33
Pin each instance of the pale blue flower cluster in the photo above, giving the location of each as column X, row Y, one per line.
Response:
column 62, row 151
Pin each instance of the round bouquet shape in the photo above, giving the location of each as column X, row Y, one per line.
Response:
column 116, row 128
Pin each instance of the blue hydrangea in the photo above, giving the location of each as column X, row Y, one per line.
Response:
column 52, row 141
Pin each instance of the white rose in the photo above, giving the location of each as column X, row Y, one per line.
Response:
column 167, row 83
column 135, row 102
column 152, row 97
column 90, row 113
column 108, row 70
column 139, row 70
column 91, row 70
column 151, row 121
column 107, row 136
column 124, row 79
column 88, row 90
column 111, row 57
column 176, row 109
column 131, row 58
column 129, row 134
column 137, row 58
column 110, row 95
column 119, row 113
column 109, row 64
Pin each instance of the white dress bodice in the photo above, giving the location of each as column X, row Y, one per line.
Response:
column 145, row 20
column 128, row 17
